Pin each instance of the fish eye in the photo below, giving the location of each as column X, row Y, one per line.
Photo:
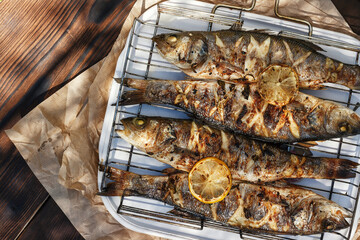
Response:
column 171, row 39
column 344, row 127
column 328, row 225
column 139, row 122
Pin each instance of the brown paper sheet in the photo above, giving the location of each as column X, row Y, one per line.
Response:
column 59, row 138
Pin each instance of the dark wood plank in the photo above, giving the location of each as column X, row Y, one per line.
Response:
column 350, row 10
column 48, row 224
column 44, row 44
column 21, row 194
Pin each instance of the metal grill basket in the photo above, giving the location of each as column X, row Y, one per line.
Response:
column 141, row 60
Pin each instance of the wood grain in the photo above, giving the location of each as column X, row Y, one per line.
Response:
column 47, row 225
column 43, row 45
column 21, row 194
column 47, row 43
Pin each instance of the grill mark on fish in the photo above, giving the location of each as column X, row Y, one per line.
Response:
column 272, row 116
column 234, row 55
column 219, row 42
column 181, row 143
column 241, row 114
column 305, row 118
column 289, row 54
column 267, row 152
column 294, row 128
column 246, row 91
column 238, row 42
column 301, row 59
column 273, row 208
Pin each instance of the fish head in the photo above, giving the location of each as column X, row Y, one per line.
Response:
column 342, row 121
column 147, row 134
column 188, row 51
column 315, row 213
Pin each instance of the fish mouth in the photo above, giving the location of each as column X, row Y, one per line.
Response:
column 351, row 126
column 338, row 221
column 122, row 128
column 121, row 132
column 123, row 124
column 356, row 118
column 161, row 44
column 330, row 226
column 157, row 38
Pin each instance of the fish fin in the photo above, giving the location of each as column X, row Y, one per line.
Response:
column 140, row 84
column 117, row 189
column 237, row 26
column 266, row 31
column 310, row 45
column 118, row 174
column 307, row 144
column 170, row 171
column 279, row 183
column 307, row 43
column 122, row 185
column 343, row 168
column 133, row 97
column 301, row 150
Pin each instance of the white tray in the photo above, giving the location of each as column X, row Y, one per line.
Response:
column 117, row 150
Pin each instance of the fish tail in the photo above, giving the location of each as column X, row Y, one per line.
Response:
column 117, row 189
column 349, row 76
column 357, row 78
column 134, row 96
column 131, row 184
column 339, row 168
column 123, row 185
column 140, row 84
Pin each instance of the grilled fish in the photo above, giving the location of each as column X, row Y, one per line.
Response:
column 181, row 143
column 285, row 209
column 240, row 108
column 242, row 55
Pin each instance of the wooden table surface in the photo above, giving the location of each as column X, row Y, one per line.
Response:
column 43, row 45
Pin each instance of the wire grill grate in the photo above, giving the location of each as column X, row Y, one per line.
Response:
column 129, row 70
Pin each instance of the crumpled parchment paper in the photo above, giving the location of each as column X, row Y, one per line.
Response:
column 59, row 138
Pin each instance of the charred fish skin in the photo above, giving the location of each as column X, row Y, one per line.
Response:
column 242, row 55
column 181, row 143
column 270, row 208
column 239, row 107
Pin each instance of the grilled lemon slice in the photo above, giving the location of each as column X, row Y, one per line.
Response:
column 210, row 180
column 278, row 84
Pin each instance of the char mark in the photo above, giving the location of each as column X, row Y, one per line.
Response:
column 242, row 114
column 246, row 91
column 267, row 152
